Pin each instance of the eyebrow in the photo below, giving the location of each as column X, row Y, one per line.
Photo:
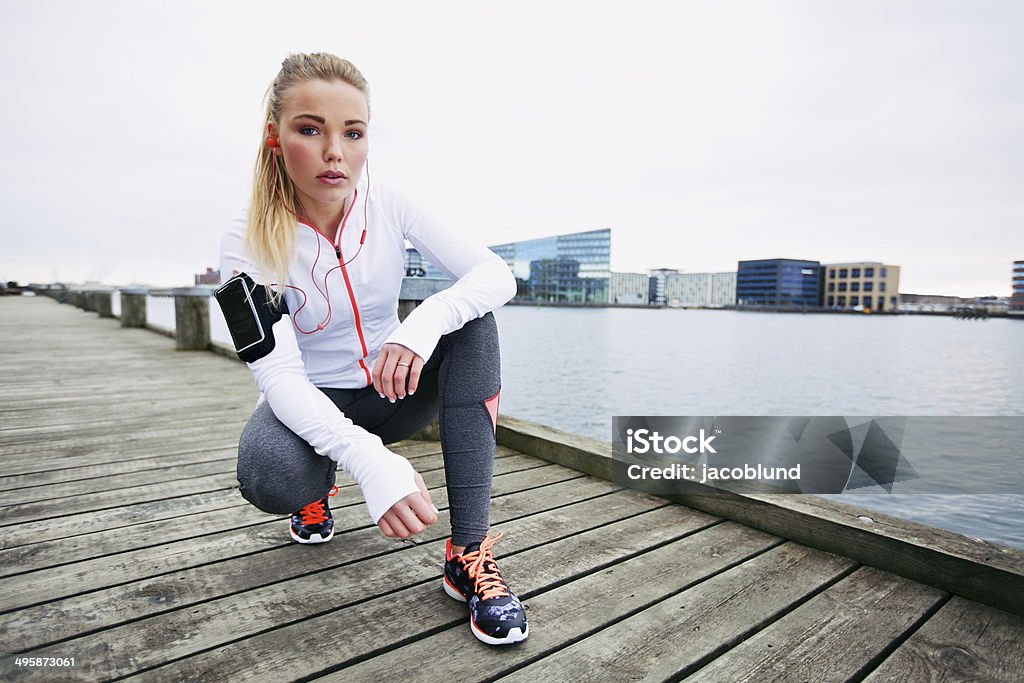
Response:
column 321, row 119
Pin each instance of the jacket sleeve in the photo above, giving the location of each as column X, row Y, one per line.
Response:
column 483, row 281
column 383, row 476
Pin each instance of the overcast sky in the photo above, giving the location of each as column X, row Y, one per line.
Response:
column 701, row 133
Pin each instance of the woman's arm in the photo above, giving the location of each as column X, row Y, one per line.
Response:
column 483, row 281
column 384, row 477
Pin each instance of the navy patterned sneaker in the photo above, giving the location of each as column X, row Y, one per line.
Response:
column 495, row 614
column 314, row 523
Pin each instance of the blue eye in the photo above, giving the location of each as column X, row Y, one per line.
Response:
column 358, row 135
column 305, row 128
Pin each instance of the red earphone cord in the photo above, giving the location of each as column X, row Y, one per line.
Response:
column 325, row 293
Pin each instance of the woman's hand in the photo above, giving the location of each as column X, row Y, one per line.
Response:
column 409, row 516
column 396, row 372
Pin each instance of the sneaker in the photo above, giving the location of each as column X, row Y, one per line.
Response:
column 314, row 523
column 495, row 614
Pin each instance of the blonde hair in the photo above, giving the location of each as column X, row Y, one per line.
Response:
column 271, row 230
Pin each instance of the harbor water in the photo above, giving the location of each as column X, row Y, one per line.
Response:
column 576, row 368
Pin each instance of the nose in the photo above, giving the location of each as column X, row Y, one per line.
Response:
column 332, row 148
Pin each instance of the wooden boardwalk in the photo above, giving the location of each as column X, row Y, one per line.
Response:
column 125, row 545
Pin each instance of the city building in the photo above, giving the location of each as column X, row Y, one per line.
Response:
column 700, row 289
column 573, row 268
column 210, row 277
column 862, row 285
column 629, row 288
column 778, row 282
column 1017, row 298
column 657, row 283
column 417, row 266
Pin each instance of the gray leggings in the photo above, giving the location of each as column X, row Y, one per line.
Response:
column 280, row 473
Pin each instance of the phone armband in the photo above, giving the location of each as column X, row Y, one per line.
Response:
column 250, row 316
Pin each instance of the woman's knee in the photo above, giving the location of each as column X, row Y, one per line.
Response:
column 280, row 473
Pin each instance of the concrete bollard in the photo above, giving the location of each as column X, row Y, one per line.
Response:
column 416, row 289
column 192, row 318
column 133, row 307
column 104, row 306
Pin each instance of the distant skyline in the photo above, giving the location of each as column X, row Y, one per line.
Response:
column 701, row 134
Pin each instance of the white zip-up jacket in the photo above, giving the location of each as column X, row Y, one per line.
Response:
column 355, row 308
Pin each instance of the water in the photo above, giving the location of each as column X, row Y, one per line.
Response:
column 576, row 368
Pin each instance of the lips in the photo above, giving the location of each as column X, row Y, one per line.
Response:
column 333, row 175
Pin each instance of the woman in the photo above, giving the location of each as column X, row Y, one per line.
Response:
column 316, row 267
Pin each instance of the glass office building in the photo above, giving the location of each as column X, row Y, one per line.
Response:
column 1017, row 298
column 778, row 282
column 572, row 269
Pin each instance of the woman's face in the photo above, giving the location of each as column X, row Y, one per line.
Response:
column 323, row 141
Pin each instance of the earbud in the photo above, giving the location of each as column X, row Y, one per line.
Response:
column 272, row 142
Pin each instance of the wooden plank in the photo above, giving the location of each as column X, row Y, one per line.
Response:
column 212, row 429
column 103, row 473
column 977, row 569
column 836, row 636
column 117, row 428
column 409, row 613
column 106, row 509
column 678, row 634
column 963, row 641
column 87, row 494
column 184, row 576
column 147, row 539
column 16, row 487
column 130, row 448
column 181, row 633
column 80, row 481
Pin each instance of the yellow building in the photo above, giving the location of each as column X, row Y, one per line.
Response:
column 863, row 286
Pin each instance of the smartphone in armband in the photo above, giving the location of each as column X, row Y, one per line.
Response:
column 249, row 316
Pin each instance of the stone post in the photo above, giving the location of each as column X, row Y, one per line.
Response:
column 133, row 308
column 192, row 318
column 104, row 306
column 414, row 291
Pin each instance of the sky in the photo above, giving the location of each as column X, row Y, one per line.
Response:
column 700, row 133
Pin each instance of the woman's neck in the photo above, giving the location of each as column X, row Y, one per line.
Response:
column 326, row 218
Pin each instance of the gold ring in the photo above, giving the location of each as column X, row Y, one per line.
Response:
column 401, row 363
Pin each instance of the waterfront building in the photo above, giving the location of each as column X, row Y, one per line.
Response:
column 417, row 266
column 1017, row 298
column 700, row 289
column 657, row 282
column 629, row 288
column 210, row 277
column 778, row 282
column 862, row 285
column 574, row 268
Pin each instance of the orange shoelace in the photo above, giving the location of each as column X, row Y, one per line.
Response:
column 480, row 566
column 314, row 513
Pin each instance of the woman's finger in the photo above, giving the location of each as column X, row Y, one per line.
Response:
column 395, row 520
column 401, row 376
column 414, row 374
column 387, row 377
column 425, row 493
column 410, row 519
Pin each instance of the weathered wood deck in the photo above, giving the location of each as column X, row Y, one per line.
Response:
column 125, row 544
